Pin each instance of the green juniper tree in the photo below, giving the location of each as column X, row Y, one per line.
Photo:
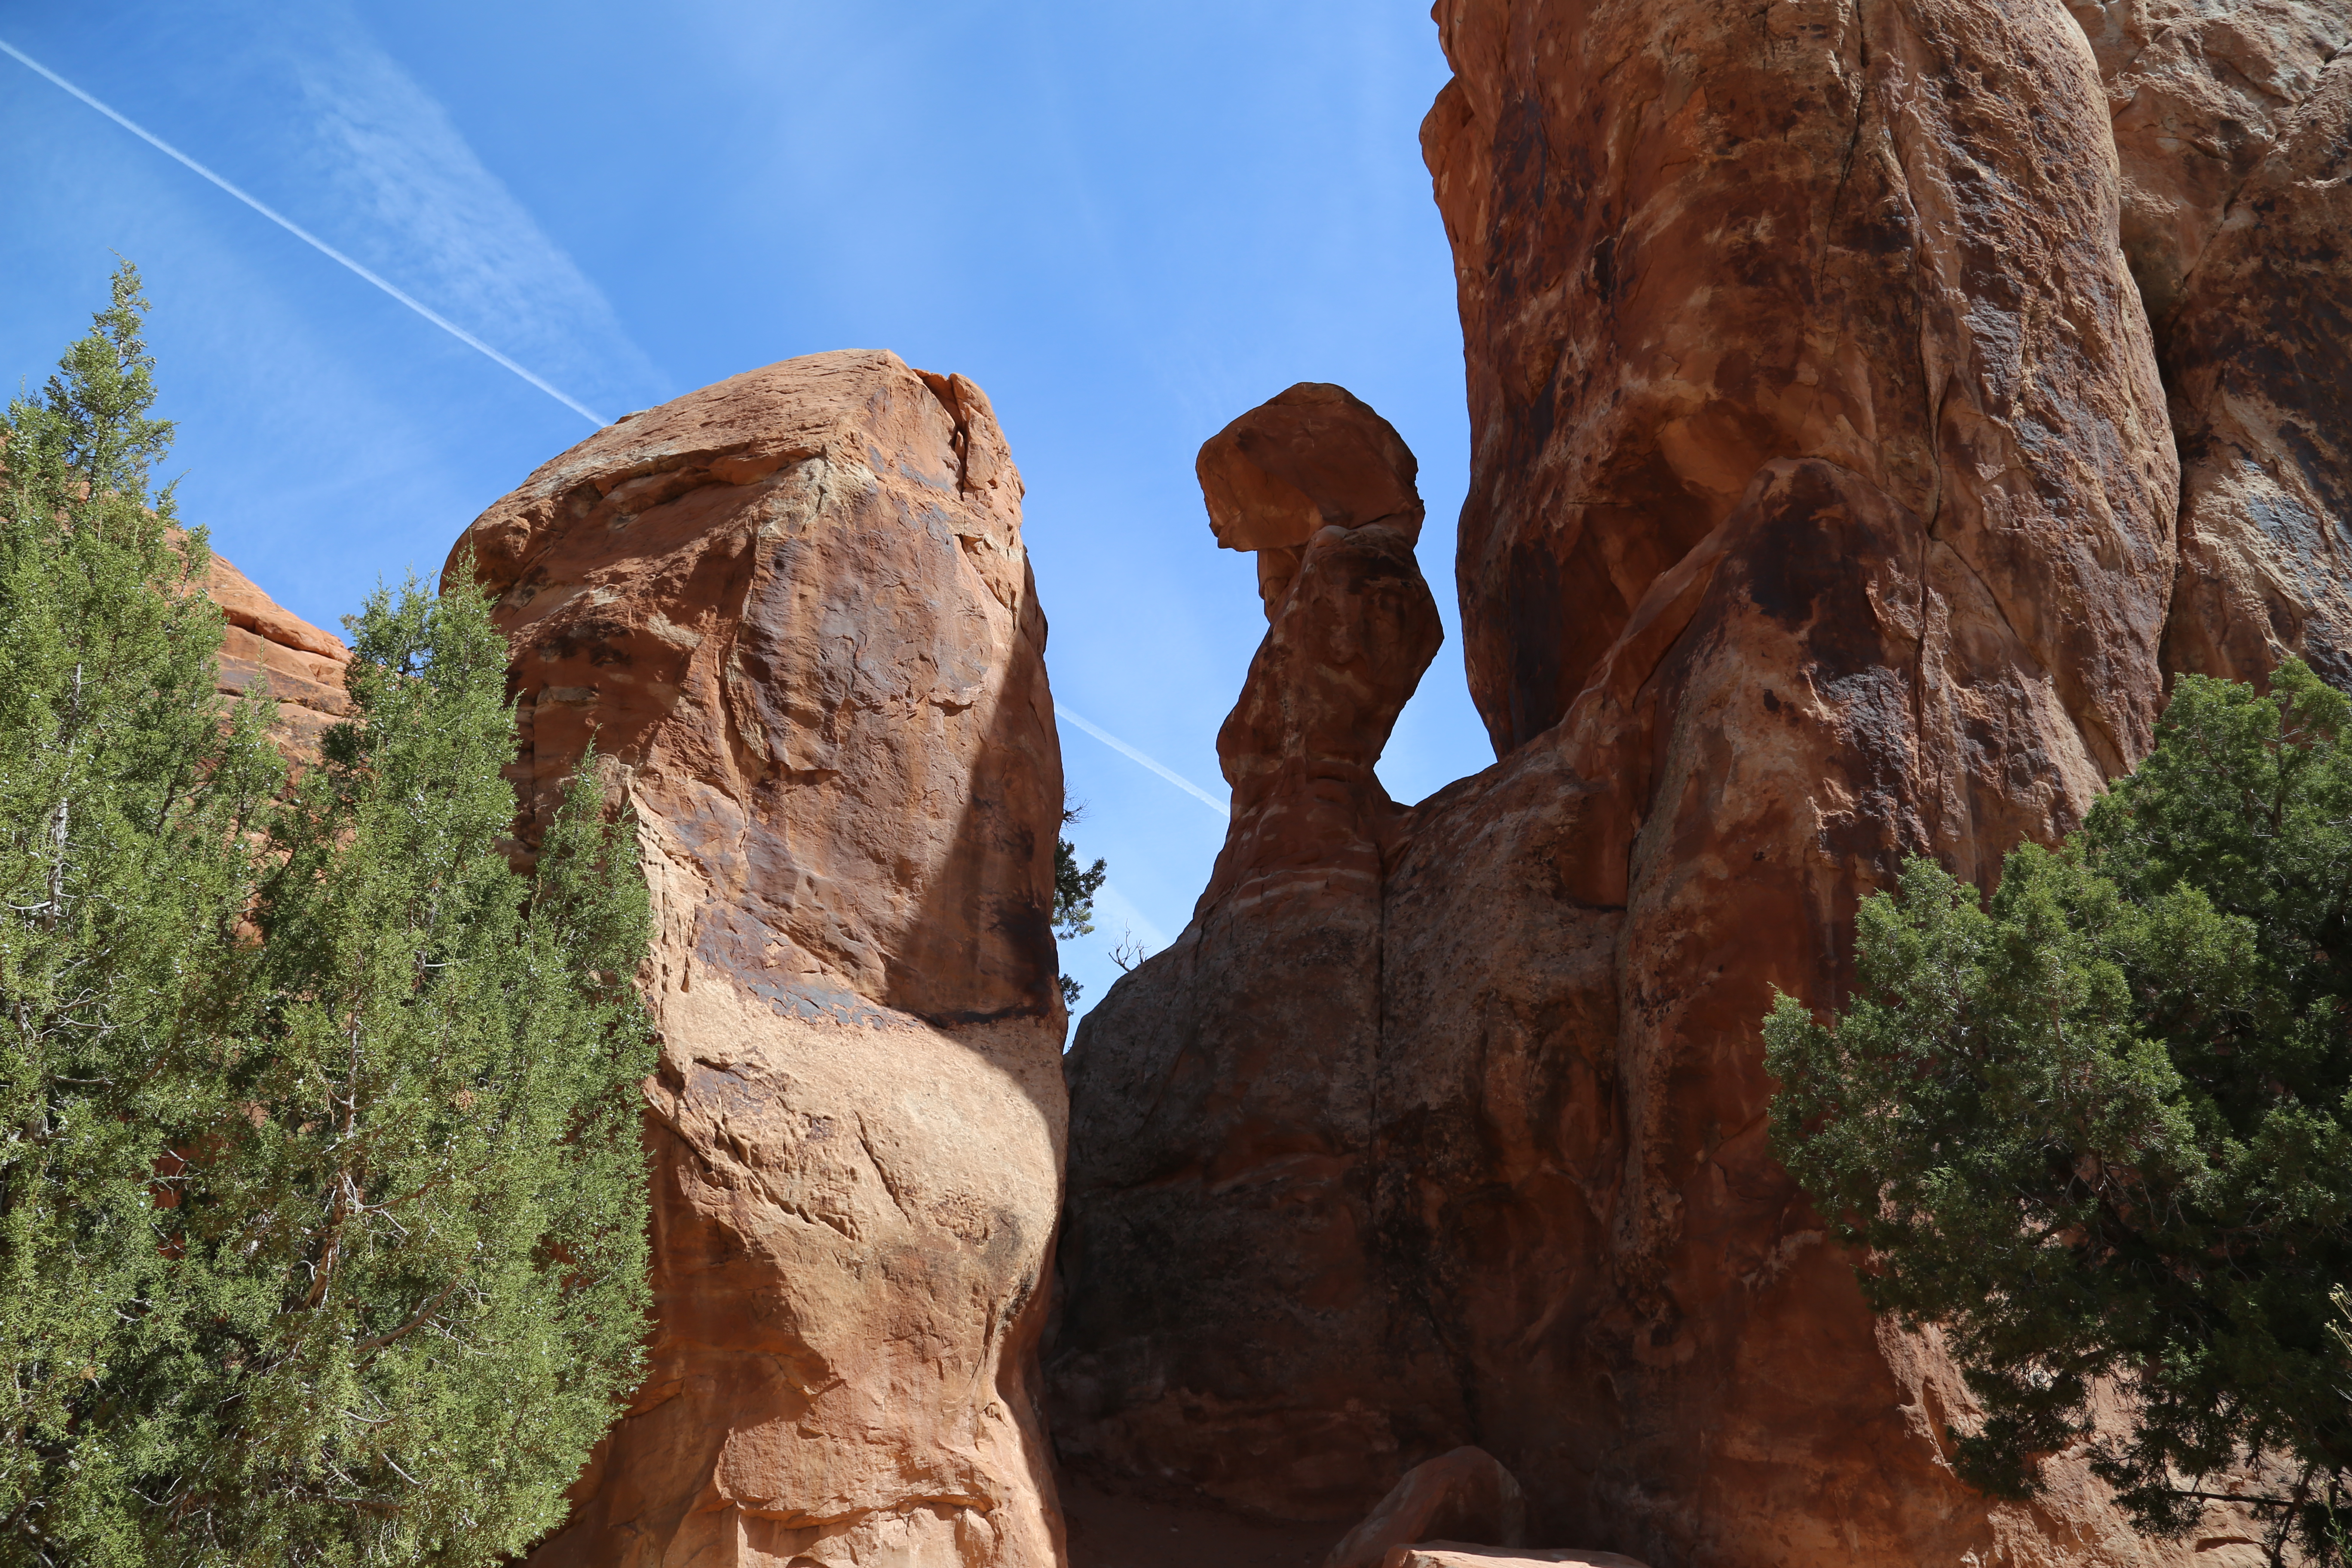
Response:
column 127, row 794
column 423, row 1236
column 322, row 1200
column 1073, row 896
column 2101, row 1127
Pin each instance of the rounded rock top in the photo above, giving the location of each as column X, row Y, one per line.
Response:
column 1311, row 458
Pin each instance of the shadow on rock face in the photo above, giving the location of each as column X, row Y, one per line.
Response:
column 1226, row 1084
column 1111, row 1530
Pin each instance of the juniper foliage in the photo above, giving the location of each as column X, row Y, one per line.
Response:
column 128, row 792
column 322, row 1200
column 2101, row 1126
column 1075, row 884
column 423, row 1240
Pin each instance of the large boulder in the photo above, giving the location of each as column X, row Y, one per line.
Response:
column 1466, row 1495
column 1822, row 513
column 793, row 612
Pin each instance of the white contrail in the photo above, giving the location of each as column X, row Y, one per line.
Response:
column 1124, row 750
column 304, row 234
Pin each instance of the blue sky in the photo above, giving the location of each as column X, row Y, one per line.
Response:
column 1127, row 223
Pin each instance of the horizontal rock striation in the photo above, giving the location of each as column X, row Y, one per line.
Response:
column 289, row 659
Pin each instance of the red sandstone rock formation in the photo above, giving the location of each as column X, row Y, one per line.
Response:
column 1823, row 512
column 1221, row 1160
column 297, row 663
column 2234, row 122
column 794, row 610
column 1692, row 242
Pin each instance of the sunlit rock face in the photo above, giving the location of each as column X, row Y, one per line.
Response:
column 794, row 612
column 269, row 650
column 1824, row 509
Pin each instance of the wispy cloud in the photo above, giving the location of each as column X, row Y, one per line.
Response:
column 1131, row 755
column 358, row 159
column 296, row 230
column 419, row 204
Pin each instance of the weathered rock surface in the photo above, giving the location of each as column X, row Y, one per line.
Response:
column 794, row 610
column 1466, row 1495
column 2203, row 93
column 1822, row 511
column 1689, row 242
column 1461, row 1555
column 293, row 660
column 2233, row 124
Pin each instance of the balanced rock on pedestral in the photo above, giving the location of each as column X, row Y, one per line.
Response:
column 1466, row 1495
column 794, row 612
column 1312, row 458
column 1226, row 1083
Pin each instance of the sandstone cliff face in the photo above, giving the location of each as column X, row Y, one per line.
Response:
column 1822, row 510
column 1883, row 238
column 291, row 660
column 794, row 610
column 2234, row 122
